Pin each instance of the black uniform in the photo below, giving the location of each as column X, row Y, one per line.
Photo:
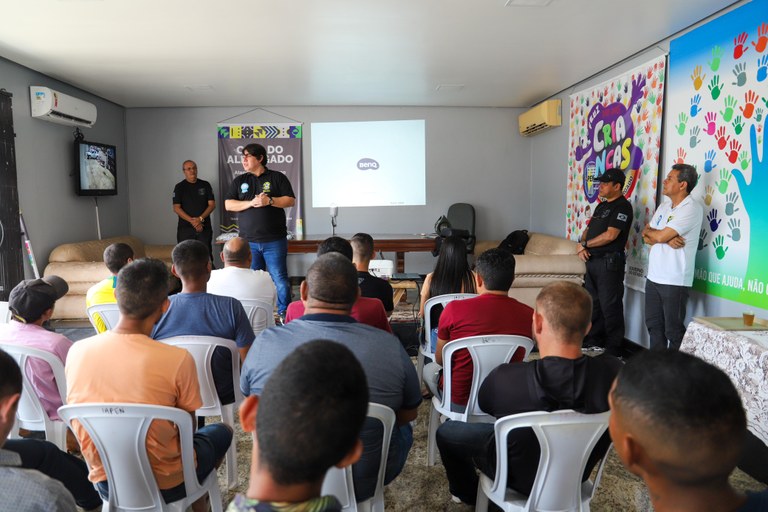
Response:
column 377, row 288
column 193, row 198
column 261, row 224
column 605, row 274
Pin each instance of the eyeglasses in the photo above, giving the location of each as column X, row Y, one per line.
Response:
column 246, row 155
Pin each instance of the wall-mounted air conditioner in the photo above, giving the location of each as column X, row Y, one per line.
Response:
column 57, row 107
column 542, row 117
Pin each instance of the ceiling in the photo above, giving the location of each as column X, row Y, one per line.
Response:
column 185, row 53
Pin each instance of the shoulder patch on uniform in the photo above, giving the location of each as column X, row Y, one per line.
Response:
column 622, row 217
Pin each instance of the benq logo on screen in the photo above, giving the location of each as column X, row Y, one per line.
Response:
column 367, row 163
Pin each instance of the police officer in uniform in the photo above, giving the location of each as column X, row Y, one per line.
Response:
column 193, row 202
column 602, row 249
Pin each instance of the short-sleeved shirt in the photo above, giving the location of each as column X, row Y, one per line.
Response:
column 134, row 368
column 28, row 490
column 610, row 214
column 205, row 314
column 265, row 224
column 485, row 314
column 243, row 284
column 39, row 373
column 193, row 198
column 102, row 292
column 376, row 288
column 365, row 310
column 675, row 266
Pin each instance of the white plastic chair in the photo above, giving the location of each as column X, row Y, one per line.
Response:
column 201, row 348
column 567, row 439
column 109, row 314
column 260, row 314
column 31, row 414
column 119, row 433
column 425, row 350
column 338, row 482
column 487, row 353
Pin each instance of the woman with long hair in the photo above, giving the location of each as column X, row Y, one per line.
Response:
column 451, row 275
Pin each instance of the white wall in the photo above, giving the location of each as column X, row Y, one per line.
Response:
column 549, row 165
column 54, row 214
column 474, row 155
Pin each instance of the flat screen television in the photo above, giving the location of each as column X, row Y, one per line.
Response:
column 96, row 169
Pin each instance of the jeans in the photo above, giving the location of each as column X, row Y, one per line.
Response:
column 365, row 471
column 272, row 256
column 665, row 307
column 67, row 469
column 210, row 443
column 462, row 446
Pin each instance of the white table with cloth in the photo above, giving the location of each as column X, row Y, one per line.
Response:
column 743, row 355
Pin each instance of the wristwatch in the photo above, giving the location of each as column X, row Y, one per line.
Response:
column 584, row 244
column 271, row 201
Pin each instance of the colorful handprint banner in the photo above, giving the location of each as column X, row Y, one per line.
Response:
column 718, row 101
column 617, row 124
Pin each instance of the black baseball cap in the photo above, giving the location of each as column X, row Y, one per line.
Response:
column 612, row 176
column 31, row 298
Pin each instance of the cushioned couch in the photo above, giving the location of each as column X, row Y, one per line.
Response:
column 81, row 265
column 546, row 259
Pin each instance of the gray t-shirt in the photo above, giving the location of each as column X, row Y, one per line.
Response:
column 392, row 379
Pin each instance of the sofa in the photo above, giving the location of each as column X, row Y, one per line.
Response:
column 81, row 265
column 546, row 259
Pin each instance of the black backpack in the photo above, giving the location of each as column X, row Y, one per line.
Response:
column 515, row 241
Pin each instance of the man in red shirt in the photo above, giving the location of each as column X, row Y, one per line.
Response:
column 492, row 312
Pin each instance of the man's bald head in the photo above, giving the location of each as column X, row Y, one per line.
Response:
column 236, row 253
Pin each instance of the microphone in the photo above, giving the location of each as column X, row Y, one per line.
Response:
column 334, row 212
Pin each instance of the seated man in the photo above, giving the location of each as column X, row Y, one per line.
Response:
column 563, row 378
column 237, row 279
column 307, row 419
column 678, row 423
column 31, row 303
column 493, row 311
column 23, row 490
column 194, row 312
column 126, row 365
column 370, row 285
column 365, row 309
column 328, row 294
column 116, row 256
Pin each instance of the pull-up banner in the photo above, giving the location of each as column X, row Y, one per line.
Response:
column 283, row 144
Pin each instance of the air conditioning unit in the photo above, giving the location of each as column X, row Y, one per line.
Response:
column 57, row 107
column 542, row 117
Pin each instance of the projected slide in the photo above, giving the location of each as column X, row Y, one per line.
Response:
column 379, row 163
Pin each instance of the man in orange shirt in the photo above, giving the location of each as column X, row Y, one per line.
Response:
column 126, row 365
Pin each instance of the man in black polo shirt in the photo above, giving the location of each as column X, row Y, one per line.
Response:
column 370, row 285
column 259, row 196
column 602, row 249
column 193, row 202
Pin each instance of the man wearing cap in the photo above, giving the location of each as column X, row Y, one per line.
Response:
column 31, row 303
column 602, row 249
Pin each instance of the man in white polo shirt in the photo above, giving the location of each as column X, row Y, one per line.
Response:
column 672, row 234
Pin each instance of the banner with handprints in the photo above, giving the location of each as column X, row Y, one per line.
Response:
column 617, row 124
column 718, row 108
